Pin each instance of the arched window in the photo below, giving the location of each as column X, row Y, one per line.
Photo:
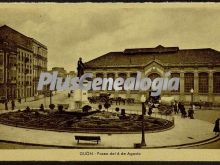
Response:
column 111, row 75
column 177, row 75
column 203, row 82
column 133, row 75
column 122, row 75
column 100, row 75
column 188, row 82
column 216, row 82
column 152, row 76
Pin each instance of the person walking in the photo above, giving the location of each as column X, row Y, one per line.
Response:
column 12, row 104
column 216, row 127
column 19, row 99
column 175, row 108
column 190, row 113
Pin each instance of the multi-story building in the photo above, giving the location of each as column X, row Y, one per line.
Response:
column 198, row 69
column 71, row 73
column 19, row 78
column 40, row 62
column 61, row 71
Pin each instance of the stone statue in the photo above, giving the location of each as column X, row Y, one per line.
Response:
column 80, row 68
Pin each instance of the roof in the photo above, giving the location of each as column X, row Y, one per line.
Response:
column 12, row 35
column 140, row 57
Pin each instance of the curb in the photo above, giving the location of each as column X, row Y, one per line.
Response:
column 180, row 146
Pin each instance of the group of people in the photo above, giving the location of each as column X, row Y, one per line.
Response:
column 12, row 102
column 179, row 107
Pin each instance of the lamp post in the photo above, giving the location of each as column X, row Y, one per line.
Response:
column 143, row 99
column 191, row 91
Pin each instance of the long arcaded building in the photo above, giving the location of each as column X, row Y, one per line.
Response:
column 198, row 69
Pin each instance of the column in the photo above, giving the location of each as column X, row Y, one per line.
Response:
column 128, row 91
column 182, row 98
column 196, row 86
column 210, row 92
column 115, row 92
column 104, row 74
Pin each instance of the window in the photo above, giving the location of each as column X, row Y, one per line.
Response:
column 203, row 82
column 152, row 76
column 188, row 82
column 111, row 75
column 100, row 75
column 122, row 75
column 1, row 75
column 178, row 76
column 1, row 59
column 216, row 82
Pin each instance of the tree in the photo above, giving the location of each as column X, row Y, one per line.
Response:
column 52, row 106
column 107, row 105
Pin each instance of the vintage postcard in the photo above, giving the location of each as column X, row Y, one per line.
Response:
column 109, row 81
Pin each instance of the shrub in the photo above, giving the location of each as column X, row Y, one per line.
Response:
column 41, row 107
column 69, row 123
column 107, row 105
column 36, row 113
column 79, row 117
column 86, row 108
column 27, row 109
column 117, row 109
column 52, row 106
column 100, row 107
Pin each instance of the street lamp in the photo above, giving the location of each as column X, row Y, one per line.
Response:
column 191, row 91
column 143, row 99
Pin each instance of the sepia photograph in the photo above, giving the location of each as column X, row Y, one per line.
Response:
column 95, row 76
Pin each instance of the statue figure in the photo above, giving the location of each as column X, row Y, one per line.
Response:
column 80, row 68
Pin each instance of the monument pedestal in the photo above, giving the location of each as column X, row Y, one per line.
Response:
column 80, row 98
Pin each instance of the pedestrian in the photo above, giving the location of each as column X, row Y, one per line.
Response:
column 175, row 107
column 190, row 113
column 150, row 110
column 12, row 104
column 216, row 128
column 180, row 107
column 182, row 110
column 193, row 107
column 41, row 107
column 19, row 99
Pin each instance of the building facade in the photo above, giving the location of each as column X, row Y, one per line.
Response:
column 23, row 60
column 198, row 69
column 61, row 71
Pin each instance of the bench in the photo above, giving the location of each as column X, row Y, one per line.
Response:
column 88, row 138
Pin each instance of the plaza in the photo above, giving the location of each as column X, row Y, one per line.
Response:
column 182, row 135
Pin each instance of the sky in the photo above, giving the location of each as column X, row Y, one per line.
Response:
column 90, row 30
